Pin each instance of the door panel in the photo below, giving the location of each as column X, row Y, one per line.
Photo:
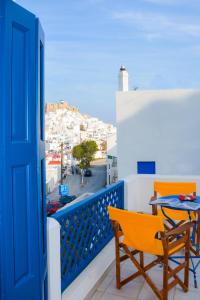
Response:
column 21, row 222
column 41, row 154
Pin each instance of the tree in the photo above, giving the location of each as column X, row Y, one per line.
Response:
column 84, row 153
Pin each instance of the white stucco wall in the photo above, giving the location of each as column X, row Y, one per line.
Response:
column 112, row 172
column 139, row 189
column 112, row 145
column 53, row 259
column 53, row 175
column 161, row 126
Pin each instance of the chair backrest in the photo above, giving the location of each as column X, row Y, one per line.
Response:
column 139, row 230
column 174, row 188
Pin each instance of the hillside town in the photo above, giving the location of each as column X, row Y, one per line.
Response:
column 67, row 127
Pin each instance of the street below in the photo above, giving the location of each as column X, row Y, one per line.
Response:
column 91, row 184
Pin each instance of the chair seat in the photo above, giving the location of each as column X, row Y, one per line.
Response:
column 176, row 215
column 145, row 233
column 155, row 248
column 158, row 248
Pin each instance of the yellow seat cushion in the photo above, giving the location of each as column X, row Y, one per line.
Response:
column 158, row 250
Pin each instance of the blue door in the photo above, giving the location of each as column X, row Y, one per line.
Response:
column 41, row 154
column 23, row 272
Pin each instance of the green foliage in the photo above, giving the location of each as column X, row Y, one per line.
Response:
column 84, row 153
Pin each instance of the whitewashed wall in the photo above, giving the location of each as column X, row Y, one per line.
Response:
column 139, row 189
column 161, row 126
column 53, row 175
column 112, row 145
column 112, row 173
column 53, row 259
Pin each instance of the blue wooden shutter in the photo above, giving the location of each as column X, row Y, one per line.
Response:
column 22, row 210
column 41, row 154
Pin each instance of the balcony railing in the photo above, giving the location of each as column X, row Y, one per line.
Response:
column 85, row 230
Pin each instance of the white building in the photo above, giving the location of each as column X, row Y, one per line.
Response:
column 53, row 175
column 157, row 132
column 112, row 173
column 123, row 79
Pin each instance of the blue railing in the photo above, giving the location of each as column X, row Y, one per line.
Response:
column 85, row 230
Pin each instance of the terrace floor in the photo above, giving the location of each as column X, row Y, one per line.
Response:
column 138, row 289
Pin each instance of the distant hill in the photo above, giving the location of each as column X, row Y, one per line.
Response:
column 52, row 107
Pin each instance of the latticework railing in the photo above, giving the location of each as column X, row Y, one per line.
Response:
column 86, row 229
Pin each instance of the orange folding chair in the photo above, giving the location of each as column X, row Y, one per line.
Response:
column 137, row 233
column 162, row 189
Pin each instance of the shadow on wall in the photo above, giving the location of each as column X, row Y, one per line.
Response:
column 161, row 126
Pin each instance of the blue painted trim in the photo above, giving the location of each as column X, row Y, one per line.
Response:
column 86, row 230
column 2, row 145
column 82, row 203
column 146, row 167
column 41, row 169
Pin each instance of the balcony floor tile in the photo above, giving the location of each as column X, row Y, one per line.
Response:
column 97, row 295
column 138, row 289
column 105, row 283
column 107, row 296
column 131, row 290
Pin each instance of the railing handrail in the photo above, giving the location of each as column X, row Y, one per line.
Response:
column 59, row 214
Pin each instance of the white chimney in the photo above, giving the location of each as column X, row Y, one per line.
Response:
column 123, row 79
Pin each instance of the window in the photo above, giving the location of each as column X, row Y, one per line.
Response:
column 146, row 167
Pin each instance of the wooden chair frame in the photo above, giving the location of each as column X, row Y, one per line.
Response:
column 168, row 272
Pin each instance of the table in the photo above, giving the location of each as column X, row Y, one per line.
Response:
column 195, row 249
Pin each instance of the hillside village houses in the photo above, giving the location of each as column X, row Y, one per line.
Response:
column 65, row 124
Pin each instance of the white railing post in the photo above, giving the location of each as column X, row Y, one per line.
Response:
column 53, row 257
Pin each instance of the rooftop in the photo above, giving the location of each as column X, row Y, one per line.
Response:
column 54, row 163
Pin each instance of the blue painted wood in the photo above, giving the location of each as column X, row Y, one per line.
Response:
column 86, row 230
column 2, row 148
column 22, row 217
column 41, row 155
column 146, row 167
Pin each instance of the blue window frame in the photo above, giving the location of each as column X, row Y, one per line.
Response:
column 146, row 167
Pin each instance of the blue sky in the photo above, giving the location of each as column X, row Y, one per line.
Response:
column 87, row 41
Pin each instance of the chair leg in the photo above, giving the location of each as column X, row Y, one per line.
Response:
column 118, row 269
column 142, row 259
column 165, row 277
